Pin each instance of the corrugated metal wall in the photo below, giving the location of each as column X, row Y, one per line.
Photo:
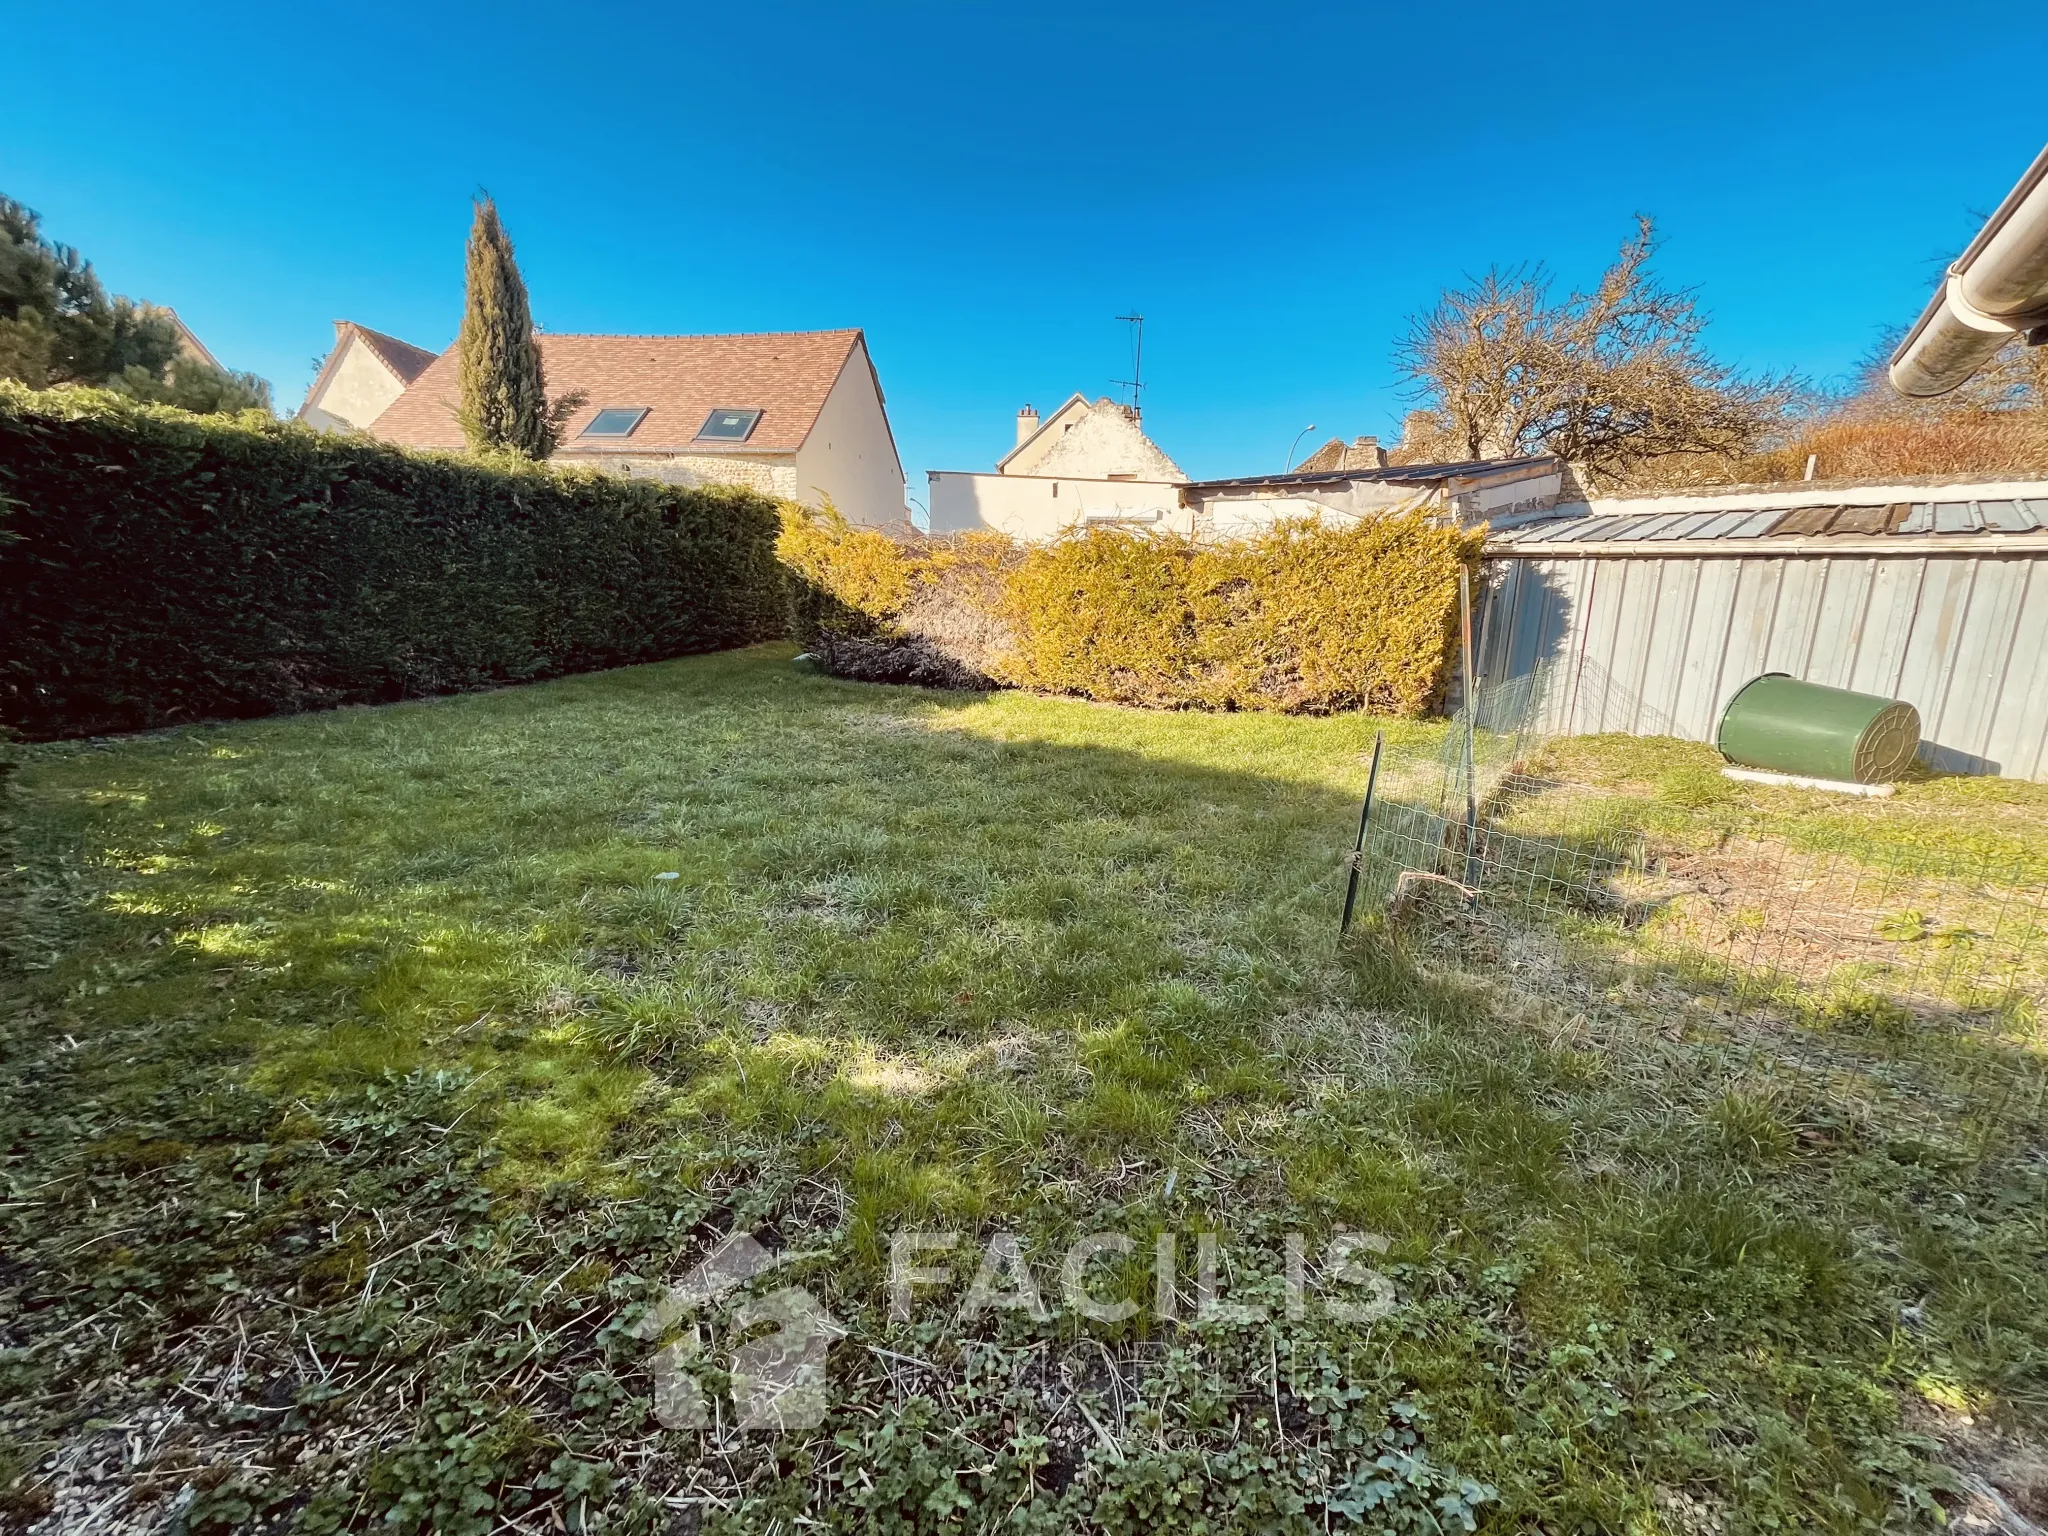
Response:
column 1656, row 645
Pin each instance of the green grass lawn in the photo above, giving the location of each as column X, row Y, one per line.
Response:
column 367, row 1076
column 1952, row 822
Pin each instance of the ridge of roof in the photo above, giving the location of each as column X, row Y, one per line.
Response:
column 1044, row 425
column 198, row 347
column 846, row 330
column 400, row 356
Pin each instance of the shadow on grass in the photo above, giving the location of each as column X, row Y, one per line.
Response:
column 348, row 1030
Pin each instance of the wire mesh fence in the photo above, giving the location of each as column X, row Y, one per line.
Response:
column 1761, row 913
column 1917, row 936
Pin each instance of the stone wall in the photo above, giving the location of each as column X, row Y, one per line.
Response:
column 770, row 476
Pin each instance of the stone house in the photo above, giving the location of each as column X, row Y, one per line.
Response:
column 1088, row 463
column 1361, row 453
column 1100, row 440
column 1092, row 465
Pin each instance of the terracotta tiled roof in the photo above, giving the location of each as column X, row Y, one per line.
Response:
column 680, row 379
column 403, row 358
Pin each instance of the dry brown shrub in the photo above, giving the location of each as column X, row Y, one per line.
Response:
column 1872, row 447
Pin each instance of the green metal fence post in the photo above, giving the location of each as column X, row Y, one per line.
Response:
column 1471, row 721
column 1372, row 778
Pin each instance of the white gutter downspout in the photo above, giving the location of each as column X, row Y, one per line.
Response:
column 1994, row 291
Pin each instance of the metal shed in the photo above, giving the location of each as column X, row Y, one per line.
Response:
column 1644, row 615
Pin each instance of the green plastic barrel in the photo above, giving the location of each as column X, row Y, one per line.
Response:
column 1780, row 723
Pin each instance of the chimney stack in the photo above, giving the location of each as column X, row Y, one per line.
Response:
column 1366, row 453
column 1027, row 422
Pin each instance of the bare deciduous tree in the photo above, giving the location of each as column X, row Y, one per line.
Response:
column 1616, row 381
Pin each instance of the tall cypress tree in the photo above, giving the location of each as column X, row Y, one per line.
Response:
column 504, row 394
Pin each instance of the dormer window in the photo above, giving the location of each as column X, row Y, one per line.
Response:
column 615, row 421
column 728, row 425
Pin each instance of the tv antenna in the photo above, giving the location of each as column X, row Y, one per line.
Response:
column 1136, row 382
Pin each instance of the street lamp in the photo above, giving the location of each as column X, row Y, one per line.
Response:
column 1304, row 432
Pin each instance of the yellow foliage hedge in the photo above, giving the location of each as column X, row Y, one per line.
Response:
column 1306, row 617
column 846, row 579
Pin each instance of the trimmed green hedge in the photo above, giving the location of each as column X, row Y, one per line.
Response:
column 157, row 566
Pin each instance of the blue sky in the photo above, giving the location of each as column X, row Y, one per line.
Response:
column 984, row 187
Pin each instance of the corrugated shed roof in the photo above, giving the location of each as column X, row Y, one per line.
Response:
column 681, row 380
column 1669, row 532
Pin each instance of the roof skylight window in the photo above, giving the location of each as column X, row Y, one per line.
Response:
column 615, row 421
column 728, row 426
